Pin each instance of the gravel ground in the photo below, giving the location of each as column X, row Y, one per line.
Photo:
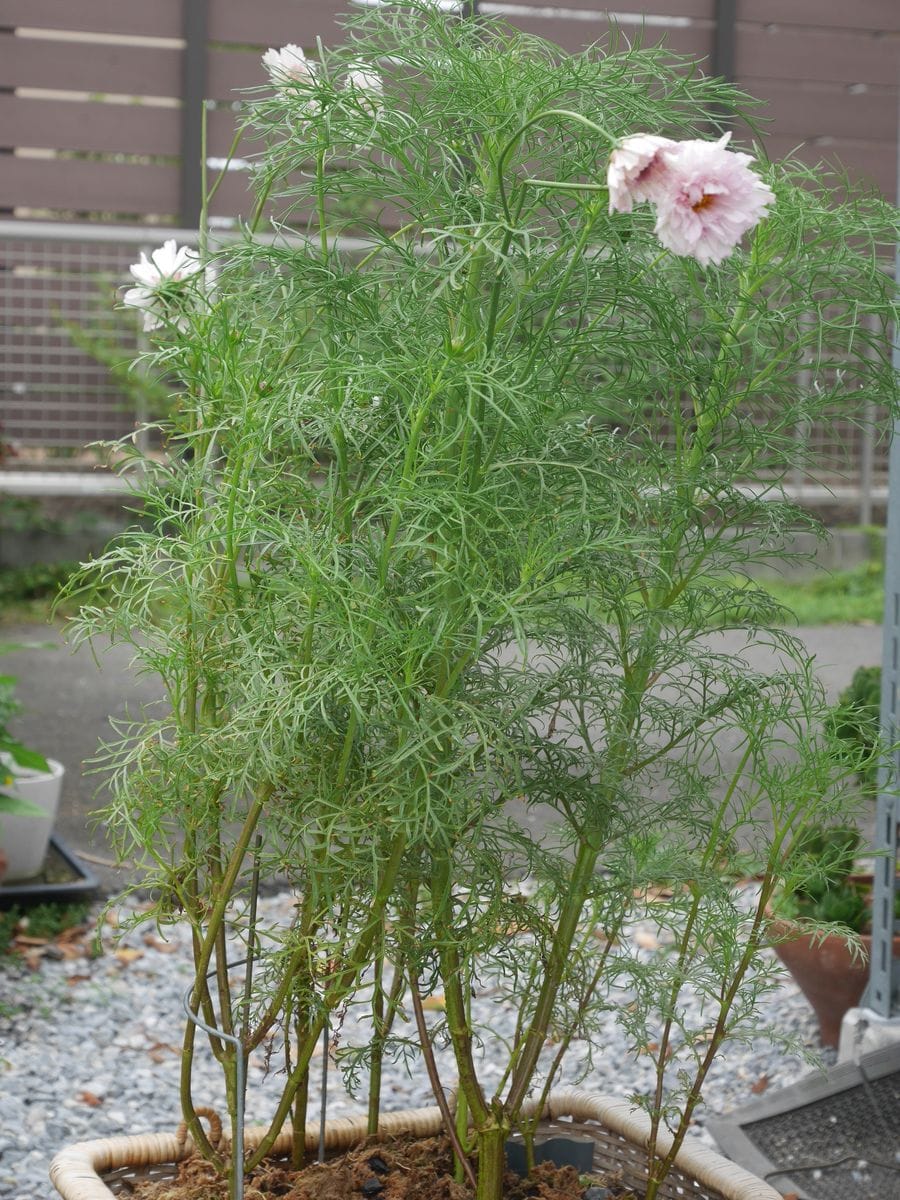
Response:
column 89, row 1048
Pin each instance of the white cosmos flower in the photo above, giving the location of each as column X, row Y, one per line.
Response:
column 289, row 65
column 160, row 278
column 361, row 78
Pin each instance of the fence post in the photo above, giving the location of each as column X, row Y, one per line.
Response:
column 723, row 53
column 195, row 15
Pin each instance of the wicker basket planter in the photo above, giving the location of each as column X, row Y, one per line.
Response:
column 98, row 1170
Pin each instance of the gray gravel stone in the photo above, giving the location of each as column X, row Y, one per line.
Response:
column 93, row 1057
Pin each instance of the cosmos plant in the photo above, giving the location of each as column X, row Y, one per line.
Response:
column 470, row 458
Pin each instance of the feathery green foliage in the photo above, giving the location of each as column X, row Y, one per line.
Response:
column 451, row 520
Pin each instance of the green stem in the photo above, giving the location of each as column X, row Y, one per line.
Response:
column 570, row 913
column 461, row 1160
column 338, row 990
column 320, row 201
column 452, row 977
column 201, row 966
column 491, row 1148
column 535, row 120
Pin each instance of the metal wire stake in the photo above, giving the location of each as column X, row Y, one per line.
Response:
column 326, row 1037
column 237, row 1149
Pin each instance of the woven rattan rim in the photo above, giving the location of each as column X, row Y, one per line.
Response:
column 75, row 1172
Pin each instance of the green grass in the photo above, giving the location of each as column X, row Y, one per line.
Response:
column 853, row 597
column 27, row 594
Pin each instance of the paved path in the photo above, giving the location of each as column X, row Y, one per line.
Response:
column 70, row 699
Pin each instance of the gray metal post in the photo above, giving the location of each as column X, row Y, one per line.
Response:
column 193, row 96
column 883, row 972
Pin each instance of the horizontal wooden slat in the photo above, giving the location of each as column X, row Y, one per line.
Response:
column 815, row 109
column 56, row 348
column 855, row 15
column 626, row 12
column 276, row 22
column 868, row 162
column 792, row 55
column 88, row 186
column 89, row 67
column 60, row 125
column 574, row 35
column 109, row 187
column 141, row 18
column 105, row 128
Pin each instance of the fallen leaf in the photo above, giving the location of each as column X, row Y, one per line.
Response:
column 159, row 1051
column 90, row 1099
column 126, row 954
column 434, row 1003
column 22, row 940
column 71, row 980
column 760, row 1086
column 658, row 892
column 73, row 933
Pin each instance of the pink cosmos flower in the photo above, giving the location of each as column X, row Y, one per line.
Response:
column 168, row 265
column 637, row 168
column 707, row 198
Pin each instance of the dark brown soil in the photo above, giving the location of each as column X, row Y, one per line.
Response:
column 401, row 1168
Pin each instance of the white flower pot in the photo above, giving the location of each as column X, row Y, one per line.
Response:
column 23, row 840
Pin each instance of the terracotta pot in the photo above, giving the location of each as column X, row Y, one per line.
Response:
column 831, row 978
column 828, row 975
column 619, row 1131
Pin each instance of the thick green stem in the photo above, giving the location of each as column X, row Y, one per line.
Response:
column 567, row 927
column 454, row 998
column 490, row 1141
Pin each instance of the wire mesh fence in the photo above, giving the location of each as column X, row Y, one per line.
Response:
column 66, row 381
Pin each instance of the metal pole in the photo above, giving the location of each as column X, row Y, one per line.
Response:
column 193, row 96
column 240, row 1062
column 882, row 970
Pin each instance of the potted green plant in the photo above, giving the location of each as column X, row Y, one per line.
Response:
column 829, row 890
column 824, row 911
column 831, row 968
column 449, row 526
column 856, row 722
column 30, row 787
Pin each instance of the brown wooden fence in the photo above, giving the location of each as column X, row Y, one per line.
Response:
column 100, row 99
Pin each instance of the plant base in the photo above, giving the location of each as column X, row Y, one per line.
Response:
column 85, row 1171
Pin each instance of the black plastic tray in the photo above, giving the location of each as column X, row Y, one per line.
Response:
column 832, row 1135
column 69, row 879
